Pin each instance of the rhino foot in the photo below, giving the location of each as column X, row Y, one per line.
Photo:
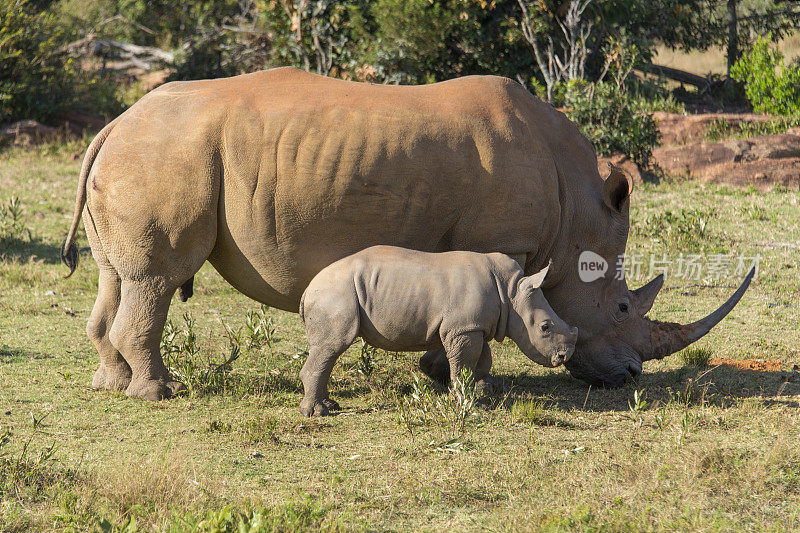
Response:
column 490, row 386
column 153, row 390
column 112, row 377
column 319, row 407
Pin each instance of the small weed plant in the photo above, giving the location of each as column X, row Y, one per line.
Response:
column 696, row 357
column 365, row 366
column 453, row 410
column 637, row 407
column 11, row 223
column 181, row 356
column 259, row 328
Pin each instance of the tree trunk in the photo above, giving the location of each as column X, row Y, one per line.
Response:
column 733, row 35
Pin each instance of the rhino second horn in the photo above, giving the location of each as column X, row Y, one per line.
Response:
column 644, row 296
column 668, row 338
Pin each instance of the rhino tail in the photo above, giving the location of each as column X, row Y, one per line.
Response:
column 69, row 251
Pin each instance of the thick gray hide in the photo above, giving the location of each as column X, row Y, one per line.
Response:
column 405, row 300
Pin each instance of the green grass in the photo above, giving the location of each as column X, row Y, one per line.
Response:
column 723, row 129
column 685, row 448
column 696, row 356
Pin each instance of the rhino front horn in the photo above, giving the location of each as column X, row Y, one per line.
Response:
column 668, row 338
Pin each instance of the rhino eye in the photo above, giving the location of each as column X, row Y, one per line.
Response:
column 545, row 327
column 623, row 307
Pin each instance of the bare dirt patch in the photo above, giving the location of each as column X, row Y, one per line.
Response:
column 761, row 161
column 769, row 365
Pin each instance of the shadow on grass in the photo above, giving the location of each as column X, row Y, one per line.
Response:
column 9, row 354
column 23, row 250
column 721, row 386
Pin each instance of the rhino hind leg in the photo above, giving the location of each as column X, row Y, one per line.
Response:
column 435, row 365
column 136, row 333
column 315, row 375
column 114, row 372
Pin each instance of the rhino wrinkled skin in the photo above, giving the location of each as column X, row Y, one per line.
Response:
column 404, row 300
column 274, row 175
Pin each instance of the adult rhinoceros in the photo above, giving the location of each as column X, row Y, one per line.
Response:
column 274, row 175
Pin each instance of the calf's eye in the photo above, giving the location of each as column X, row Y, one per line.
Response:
column 545, row 328
column 623, row 307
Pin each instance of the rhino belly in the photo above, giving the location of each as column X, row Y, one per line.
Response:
column 315, row 189
column 302, row 190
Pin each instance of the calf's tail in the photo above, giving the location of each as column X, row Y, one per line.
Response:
column 69, row 251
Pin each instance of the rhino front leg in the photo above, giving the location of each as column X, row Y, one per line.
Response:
column 315, row 375
column 464, row 351
column 436, row 366
column 486, row 384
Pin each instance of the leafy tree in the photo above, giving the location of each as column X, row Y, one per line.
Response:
column 35, row 78
column 319, row 36
column 770, row 86
column 731, row 24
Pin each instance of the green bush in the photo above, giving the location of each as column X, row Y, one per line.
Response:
column 32, row 72
column 770, row 86
column 37, row 80
column 612, row 119
column 723, row 129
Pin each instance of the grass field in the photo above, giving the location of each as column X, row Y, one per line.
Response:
column 686, row 448
column 713, row 60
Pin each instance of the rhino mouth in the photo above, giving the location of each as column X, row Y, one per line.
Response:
column 562, row 354
column 623, row 369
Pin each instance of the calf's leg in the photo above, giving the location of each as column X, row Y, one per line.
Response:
column 436, row 366
column 486, row 384
column 332, row 324
column 315, row 375
column 464, row 351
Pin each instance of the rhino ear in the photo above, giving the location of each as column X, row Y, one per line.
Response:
column 535, row 281
column 617, row 189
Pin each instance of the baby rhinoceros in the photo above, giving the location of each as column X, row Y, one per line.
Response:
column 404, row 300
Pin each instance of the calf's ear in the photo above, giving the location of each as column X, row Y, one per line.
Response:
column 617, row 189
column 535, row 281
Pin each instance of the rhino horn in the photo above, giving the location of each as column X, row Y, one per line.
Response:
column 644, row 296
column 667, row 338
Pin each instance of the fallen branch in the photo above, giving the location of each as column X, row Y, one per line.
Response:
column 678, row 75
column 123, row 19
column 141, row 56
